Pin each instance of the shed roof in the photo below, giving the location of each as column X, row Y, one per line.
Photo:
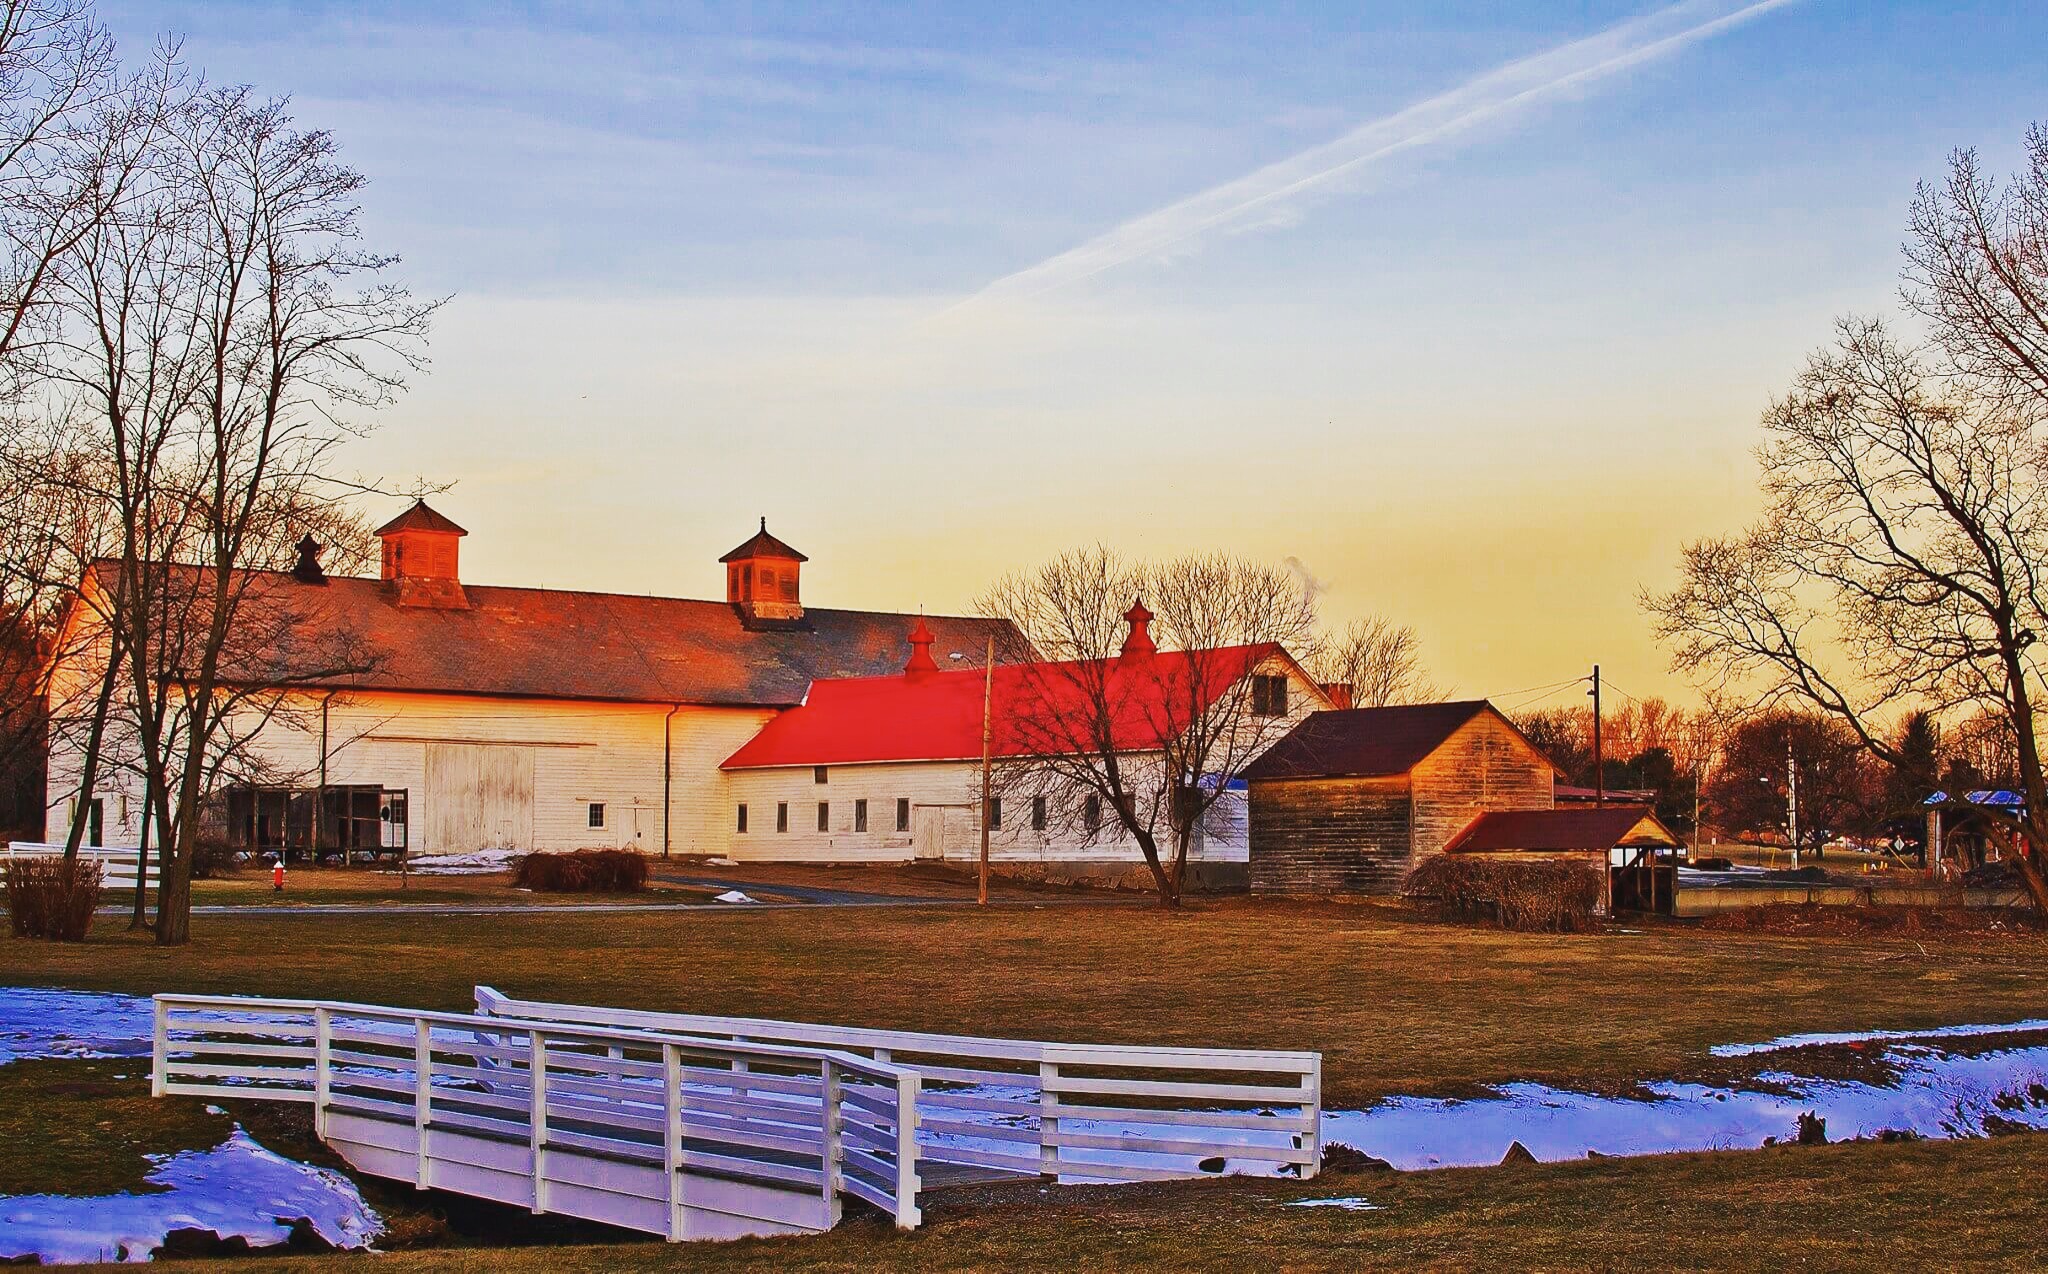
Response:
column 1367, row 742
column 546, row 643
column 1601, row 827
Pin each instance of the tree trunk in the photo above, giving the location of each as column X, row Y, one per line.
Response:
column 1162, row 880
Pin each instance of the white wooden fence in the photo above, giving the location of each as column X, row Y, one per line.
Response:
column 117, row 866
column 1076, row 1112
column 666, row 1133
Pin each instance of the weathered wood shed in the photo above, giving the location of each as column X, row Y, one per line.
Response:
column 1351, row 800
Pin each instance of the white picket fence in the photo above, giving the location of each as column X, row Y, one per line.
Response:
column 661, row 1132
column 1075, row 1112
column 117, row 866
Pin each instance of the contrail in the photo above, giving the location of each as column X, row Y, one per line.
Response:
column 1269, row 191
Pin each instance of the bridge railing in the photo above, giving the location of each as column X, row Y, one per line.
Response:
column 1074, row 1112
column 649, row 1129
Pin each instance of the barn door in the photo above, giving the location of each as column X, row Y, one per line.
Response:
column 478, row 796
column 929, row 831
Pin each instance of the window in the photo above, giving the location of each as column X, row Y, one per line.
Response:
column 860, row 815
column 782, row 816
column 1037, row 813
column 1269, row 696
column 995, row 813
column 597, row 813
column 902, row 813
column 824, row 816
column 817, row 774
column 743, row 816
column 1091, row 813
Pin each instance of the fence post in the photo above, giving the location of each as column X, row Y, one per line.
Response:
column 537, row 1116
column 1312, row 1084
column 672, row 1136
column 829, row 1125
column 323, row 1066
column 422, row 1098
column 1048, row 1123
column 159, row 1049
column 909, row 1086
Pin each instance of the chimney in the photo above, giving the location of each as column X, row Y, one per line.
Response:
column 421, row 552
column 1139, row 643
column 1340, row 692
column 761, row 579
column 307, row 569
column 921, row 650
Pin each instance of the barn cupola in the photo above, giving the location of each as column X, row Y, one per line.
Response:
column 421, row 559
column 921, row 660
column 761, row 579
column 1138, row 642
column 307, row 569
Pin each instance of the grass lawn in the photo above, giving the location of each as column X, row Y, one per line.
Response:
column 1915, row 1206
column 308, row 885
column 1397, row 1003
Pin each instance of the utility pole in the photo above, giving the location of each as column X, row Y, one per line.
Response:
column 1699, row 783
column 988, row 688
column 1792, row 803
column 1599, row 757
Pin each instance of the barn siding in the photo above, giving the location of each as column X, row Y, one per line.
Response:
column 1484, row 765
column 1323, row 836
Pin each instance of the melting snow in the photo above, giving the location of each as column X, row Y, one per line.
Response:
column 481, row 862
column 1352, row 1204
column 236, row 1189
column 732, row 895
column 41, row 1022
column 1860, row 1037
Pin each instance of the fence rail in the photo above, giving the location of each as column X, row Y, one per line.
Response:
column 117, row 866
column 1075, row 1112
column 664, row 1132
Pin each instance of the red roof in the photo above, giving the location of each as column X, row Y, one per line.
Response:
column 936, row 716
column 1601, row 827
column 544, row 643
column 420, row 518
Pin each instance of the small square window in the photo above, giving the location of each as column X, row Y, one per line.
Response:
column 782, row 816
column 597, row 813
column 860, row 815
column 743, row 816
column 824, row 816
column 902, row 813
column 1037, row 813
column 1269, row 696
column 817, row 774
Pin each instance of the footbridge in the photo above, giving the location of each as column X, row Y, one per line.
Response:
column 697, row 1127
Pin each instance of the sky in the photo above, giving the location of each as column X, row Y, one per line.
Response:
column 1467, row 311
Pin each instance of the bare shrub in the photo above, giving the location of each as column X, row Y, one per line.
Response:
column 583, row 871
column 51, row 897
column 213, row 857
column 1530, row 895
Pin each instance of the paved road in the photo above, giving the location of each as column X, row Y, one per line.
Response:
column 804, row 893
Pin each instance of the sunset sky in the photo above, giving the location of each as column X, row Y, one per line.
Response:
column 1471, row 316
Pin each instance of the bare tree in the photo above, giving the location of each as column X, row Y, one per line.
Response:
column 1381, row 662
column 1116, row 731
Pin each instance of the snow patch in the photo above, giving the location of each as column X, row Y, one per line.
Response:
column 1352, row 1204
column 236, row 1189
column 732, row 895
column 1862, row 1037
column 45, row 1022
column 480, row 862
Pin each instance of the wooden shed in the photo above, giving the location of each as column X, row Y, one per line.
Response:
column 1350, row 800
column 1638, row 851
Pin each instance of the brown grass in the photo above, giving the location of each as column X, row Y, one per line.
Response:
column 1397, row 1003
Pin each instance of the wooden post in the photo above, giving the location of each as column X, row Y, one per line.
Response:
column 323, row 1066
column 830, row 1127
column 988, row 688
column 1313, row 1083
column 537, row 1117
column 908, row 1087
column 672, row 1137
column 1048, row 1123
column 422, row 1098
column 159, row 1049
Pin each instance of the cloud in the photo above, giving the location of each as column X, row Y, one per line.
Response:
column 1271, row 197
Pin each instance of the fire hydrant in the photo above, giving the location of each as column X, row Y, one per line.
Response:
column 277, row 874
